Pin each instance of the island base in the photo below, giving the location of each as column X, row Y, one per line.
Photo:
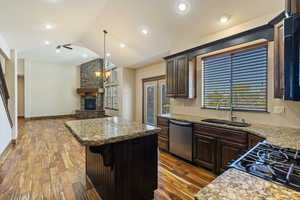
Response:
column 125, row 170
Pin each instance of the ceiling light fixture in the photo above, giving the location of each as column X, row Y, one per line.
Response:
column 57, row 50
column 49, row 26
column 182, row 7
column 47, row 42
column 122, row 45
column 145, row 31
column 224, row 19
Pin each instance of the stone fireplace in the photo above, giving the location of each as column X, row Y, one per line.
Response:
column 91, row 90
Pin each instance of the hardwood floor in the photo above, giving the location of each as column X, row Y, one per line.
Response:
column 48, row 163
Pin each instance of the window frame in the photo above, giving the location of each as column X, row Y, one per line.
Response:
column 231, row 52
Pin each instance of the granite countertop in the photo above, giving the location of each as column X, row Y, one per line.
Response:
column 237, row 185
column 280, row 136
column 234, row 184
column 100, row 131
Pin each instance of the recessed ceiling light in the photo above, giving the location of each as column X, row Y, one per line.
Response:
column 57, row 50
column 107, row 54
column 49, row 26
column 145, row 31
column 182, row 7
column 84, row 55
column 224, row 19
column 122, row 45
column 46, row 42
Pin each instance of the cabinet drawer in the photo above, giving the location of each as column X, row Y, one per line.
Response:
column 164, row 132
column 163, row 143
column 223, row 133
column 162, row 121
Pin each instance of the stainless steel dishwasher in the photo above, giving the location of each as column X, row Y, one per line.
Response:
column 180, row 136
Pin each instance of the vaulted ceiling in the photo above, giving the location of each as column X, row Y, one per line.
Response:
column 81, row 22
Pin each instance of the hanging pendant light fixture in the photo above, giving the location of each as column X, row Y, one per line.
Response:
column 106, row 74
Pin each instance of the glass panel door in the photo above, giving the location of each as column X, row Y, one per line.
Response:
column 164, row 101
column 150, row 102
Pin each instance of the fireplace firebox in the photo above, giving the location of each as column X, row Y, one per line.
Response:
column 90, row 104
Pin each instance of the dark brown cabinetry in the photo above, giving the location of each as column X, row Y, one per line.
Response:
column 228, row 151
column 215, row 148
column 163, row 137
column 171, row 78
column 204, row 151
column 253, row 140
column 180, row 76
column 279, row 60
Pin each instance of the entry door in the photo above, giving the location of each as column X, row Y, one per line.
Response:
column 150, row 102
column 155, row 100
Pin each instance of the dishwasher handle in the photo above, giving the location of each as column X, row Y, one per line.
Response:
column 179, row 123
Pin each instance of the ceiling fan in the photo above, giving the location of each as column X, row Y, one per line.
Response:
column 66, row 46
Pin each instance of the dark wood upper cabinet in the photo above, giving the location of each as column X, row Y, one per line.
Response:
column 287, row 58
column 181, row 77
column 279, row 60
column 171, row 78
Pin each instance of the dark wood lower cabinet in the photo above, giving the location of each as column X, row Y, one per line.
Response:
column 163, row 136
column 204, row 151
column 228, row 152
column 125, row 170
column 214, row 148
column 253, row 140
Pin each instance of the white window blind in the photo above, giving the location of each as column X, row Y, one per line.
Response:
column 236, row 80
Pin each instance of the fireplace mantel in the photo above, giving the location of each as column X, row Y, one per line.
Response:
column 89, row 91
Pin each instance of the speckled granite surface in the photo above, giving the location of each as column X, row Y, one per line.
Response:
column 95, row 132
column 281, row 136
column 237, row 185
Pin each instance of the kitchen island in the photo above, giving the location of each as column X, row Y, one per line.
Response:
column 121, row 156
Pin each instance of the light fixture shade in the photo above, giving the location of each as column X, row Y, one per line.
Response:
column 98, row 74
column 107, row 74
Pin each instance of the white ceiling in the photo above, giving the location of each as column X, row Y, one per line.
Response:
column 81, row 22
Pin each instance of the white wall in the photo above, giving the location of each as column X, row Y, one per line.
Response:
column 21, row 63
column 50, row 89
column 4, row 49
column 11, row 77
column 5, row 130
column 21, row 97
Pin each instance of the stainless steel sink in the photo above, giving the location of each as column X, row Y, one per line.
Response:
column 226, row 122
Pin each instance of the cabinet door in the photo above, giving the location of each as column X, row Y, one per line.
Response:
column 182, row 76
column 171, row 78
column 204, row 151
column 253, row 140
column 228, row 152
column 279, row 60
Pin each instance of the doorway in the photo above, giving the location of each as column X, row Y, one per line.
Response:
column 155, row 101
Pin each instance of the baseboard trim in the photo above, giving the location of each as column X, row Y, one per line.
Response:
column 50, row 117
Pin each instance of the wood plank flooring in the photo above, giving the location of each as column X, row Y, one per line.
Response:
column 49, row 164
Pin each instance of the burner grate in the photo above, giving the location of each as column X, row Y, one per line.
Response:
column 273, row 163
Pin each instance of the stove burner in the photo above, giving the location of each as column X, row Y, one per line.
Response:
column 273, row 163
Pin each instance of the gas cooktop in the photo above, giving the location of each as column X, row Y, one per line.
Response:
column 273, row 163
